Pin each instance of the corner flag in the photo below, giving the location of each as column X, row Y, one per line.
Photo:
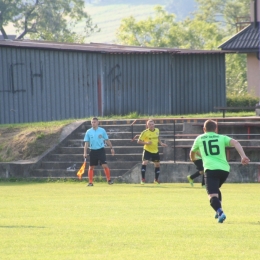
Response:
column 81, row 170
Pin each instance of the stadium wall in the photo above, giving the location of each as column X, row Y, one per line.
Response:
column 41, row 84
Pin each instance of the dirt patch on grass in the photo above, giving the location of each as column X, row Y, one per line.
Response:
column 25, row 143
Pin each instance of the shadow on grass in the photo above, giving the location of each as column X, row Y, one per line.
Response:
column 23, row 181
column 152, row 187
column 243, row 223
column 22, row 227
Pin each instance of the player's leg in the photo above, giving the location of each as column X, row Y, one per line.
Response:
column 199, row 166
column 223, row 175
column 191, row 177
column 195, row 175
column 202, row 180
column 103, row 162
column 156, row 161
column 93, row 161
column 107, row 173
column 212, row 181
column 145, row 159
column 90, row 175
column 156, row 172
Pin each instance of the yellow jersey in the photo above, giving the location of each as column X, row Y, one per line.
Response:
column 153, row 136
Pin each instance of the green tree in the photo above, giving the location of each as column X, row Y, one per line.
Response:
column 225, row 13
column 46, row 19
column 160, row 31
column 236, row 78
column 163, row 31
column 198, row 34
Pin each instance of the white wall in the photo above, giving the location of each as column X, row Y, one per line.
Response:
column 253, row 74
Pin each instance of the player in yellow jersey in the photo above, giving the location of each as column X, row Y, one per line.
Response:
column 150, row 139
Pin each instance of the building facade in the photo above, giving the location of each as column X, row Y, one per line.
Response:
column 45, row 81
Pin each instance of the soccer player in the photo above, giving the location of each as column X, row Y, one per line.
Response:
column 95, row 139
column 200, row 170
column 212, row 149
column 150, row 139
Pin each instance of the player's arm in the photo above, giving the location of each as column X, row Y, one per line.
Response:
column 198, row 153
column 142, row 141
column 240, row 150
column 161, row 143
column 85, row 149
column 139, row 141
column 108, row 142
column 193, row 156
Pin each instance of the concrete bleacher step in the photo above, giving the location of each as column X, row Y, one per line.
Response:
column 128, row 152
column 70, row 153
column 182, row 147
column 115, row 142
column 77, row 157
column 54, row 165
column 136, row 128
column 61, row 173
column 128, row 135
column 118, row 150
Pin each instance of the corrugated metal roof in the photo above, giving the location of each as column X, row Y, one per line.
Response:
column 100, row 47
column 246, row 40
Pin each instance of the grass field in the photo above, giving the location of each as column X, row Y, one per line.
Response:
column 126, row 221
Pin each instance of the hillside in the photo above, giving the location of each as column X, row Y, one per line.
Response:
column 23, row 143
column 107, row 14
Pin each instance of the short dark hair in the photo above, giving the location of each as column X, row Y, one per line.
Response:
column 94, row 118
column 210, row 126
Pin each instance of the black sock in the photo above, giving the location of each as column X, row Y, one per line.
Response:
column 215, row 203
column 157, row 172
column 219, row 195
column 195, row 175
column 203, row 180
column 143, row 169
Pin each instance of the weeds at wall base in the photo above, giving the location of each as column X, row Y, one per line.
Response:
column 98, row 179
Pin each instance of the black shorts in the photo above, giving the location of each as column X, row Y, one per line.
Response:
column 214, row 180
column 199, row 165
column 97, row 156
column 154, row 157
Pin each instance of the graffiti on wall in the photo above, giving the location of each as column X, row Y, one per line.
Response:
column 14, row 86
column 115, row 74
column 11, row 86
column 36, row 75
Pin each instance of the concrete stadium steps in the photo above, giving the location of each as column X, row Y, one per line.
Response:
column 54, row 173
column 115, row 142
column 70, row 152
column 54, row 165
column 118, row 149
column 127, row 152
column 190, row 141
column 76, row 157
column 234, row 156
column 71, row 158
column 137, row 128
column 125, row 135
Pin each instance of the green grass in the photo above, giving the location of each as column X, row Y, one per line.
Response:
column 126, row 221
column 133, row 115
